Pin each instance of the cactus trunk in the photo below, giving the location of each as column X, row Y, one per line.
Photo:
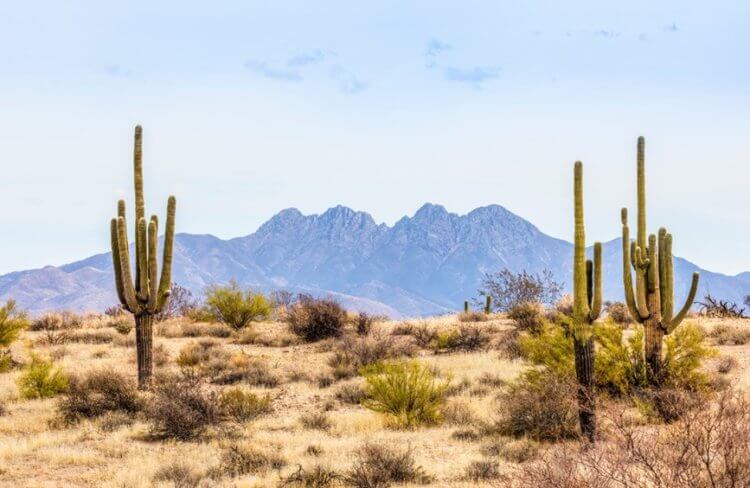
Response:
column 487, row 305
column 144, row 336
column 587, row 304
column 143, row 296
column 466, row 306
column 651, row 303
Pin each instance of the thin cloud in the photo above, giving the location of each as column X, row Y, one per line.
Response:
column 476, row 75
column 118, row 71
column 671, row 27
column 606, row 33
column 267, row 70
column 347, row 81
column 313, row 57
column 434, row 48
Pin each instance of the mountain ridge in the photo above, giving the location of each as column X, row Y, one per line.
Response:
column 428, row 263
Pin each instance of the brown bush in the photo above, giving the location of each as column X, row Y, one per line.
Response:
column 619, row 312
column 313, row 319
column 351, row 393
column 380, row 466
column 242, row 405
column 473, row 316
column 315, row 477
column 483, row 470
column 64, row 320
column 541, row 406
column 180, row 474
column 726, row 364
column 730, row 335
column 181, row 408
column 353, row 353
column 203, row 330
column 241, row 459
column 363, row 323
column 467, row 338
column 316, row 421
column 528, row 316
column 97, row 393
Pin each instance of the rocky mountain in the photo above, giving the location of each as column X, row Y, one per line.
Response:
column 425, row 264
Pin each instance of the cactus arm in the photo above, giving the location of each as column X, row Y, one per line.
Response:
column 661, row 254
column 153, row 236
column 635, row 305
column 580, row 282
column 666, row 282
column 652, row 280
column 596, row 301
column 140, row 212
column 124, row 257
column 166, row 267
column 142, row 261
column 675, row 322
column 116, row 260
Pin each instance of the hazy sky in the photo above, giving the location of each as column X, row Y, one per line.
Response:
column 252, row 107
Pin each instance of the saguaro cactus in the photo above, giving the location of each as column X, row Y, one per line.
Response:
column 652, row 301
column 145, row 296
column 587, row 305
column 487, row 304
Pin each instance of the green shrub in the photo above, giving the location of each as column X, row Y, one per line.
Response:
column 12, row 322
column 237, row 308
column 42, row 379
column 242, row 405
column 407, row 392
column 684, row 353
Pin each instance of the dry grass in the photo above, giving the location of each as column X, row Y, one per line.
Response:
column 272, row 443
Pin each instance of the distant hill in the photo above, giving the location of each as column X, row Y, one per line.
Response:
column 425, row 264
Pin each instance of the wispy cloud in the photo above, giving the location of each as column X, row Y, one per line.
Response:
column 347, row 81
column 671, row 27
column 606, row 33
column 297, row 68
column 118, row 71
column 475, row 76
column 265, row 69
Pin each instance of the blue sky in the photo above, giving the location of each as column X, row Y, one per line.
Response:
column 251, row 107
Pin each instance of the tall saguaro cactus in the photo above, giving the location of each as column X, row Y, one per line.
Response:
column 651, row 303
column 587, row 306
column 147, row 295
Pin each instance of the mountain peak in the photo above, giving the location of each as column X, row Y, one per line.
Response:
column 430, row 211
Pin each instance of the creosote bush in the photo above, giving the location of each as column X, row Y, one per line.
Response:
column 237, row 308
column 407, row 392
column 466, row 338
column 99, row 392
column 353, row 353
column 527, row 316
column 42, row 379
column 12, row 322
column 315, row 319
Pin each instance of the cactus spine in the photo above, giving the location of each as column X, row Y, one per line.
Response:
column 652, row 301
column 146, row 296
column 487, row 304
column 587, row 305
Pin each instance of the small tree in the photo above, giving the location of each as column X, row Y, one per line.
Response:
column 237, row 308
column 508, row 289
column 180, row 303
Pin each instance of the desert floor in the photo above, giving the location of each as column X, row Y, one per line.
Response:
column 37, row 451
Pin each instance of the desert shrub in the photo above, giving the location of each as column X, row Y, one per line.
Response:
column 508, row 343
column 363, row 323
column 472, row 316
column 540, row 405
column 730, row 335
column 181, row 475
column 466, row 338
column 64, row 320
column 237, row 308
column 407, row 392
column 316, row 421
column 726, row 364
column 97, row 393
column 706, row 447
column 666, row 404
column 353, row 353
column 96, row 336
column 351, row 393
column 519, row 450
column 527, row 316
column 379, row 466
column 196, row 353
column 122, row 324
column 203, row 329
column 483, row 470
column 42, row 379
column 209, row 360
column 242, row 405
column 717, row 308
column 458, row 413
column 509, row 289
column 619, row 313
column 12, row 322
column 313, row 319
column 424, row 335
column 315, row 477
column 241, row 459
column 181, row 408
column 685, row 351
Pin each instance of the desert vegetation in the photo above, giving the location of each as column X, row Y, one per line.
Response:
column 245, row 389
